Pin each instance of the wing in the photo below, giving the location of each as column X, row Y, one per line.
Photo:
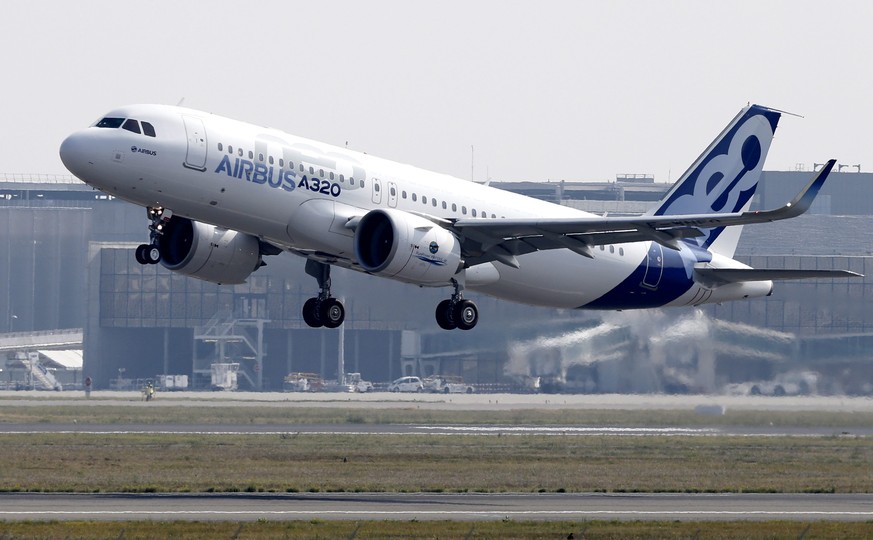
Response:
column 503, row 240
column 720, row 276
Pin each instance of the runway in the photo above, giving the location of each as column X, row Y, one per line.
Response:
column 418, row 429
column 456, row 507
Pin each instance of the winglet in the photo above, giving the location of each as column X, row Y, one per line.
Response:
column 803, row 200
column 798, row 205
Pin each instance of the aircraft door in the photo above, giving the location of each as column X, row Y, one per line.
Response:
column 196, row 132
column 377, row 191
column 392, row 194
column 654, row 266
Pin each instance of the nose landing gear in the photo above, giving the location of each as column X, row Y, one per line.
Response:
column 149, row 253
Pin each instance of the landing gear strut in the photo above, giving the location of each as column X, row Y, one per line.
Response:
column 322, row 310
column 457, row 312
column 149, row 253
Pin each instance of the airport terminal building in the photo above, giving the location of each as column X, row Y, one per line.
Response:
column 68, row 265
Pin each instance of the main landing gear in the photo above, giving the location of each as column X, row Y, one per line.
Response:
column 457, row 312
column 149, row 253
column 322, row 310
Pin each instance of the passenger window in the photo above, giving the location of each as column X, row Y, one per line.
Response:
column 251, row 155
column 444, row 205
column 414, row 197
column 464, row 210
column 281, row 162
column 149, row 130
column 433, row 202
column 423, row 199
column 612, row 249
column 301, row 167
column 220, row 147
column 331, row 175
column 131, row 125
column 261, row 157
column 311, row 170
column 111, row 123
column 473, row 212
column 403, row 194
column 454, row 207
column 362, row 183
column 352, row 180
column 342, row 178
column 393, row 192
column 376, row 188
column 621, row 251
column 321, row 173
column 229, row 149
column 240, row 152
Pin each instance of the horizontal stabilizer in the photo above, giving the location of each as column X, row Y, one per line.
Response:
column 721, row 276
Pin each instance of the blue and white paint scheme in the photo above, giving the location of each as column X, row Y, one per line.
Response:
column 222, row 194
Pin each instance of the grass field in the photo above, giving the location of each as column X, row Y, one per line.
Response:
column 95, row 412
column 432, row 463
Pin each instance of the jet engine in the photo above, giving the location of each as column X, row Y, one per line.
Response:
column 403, row 246
column 208, row 252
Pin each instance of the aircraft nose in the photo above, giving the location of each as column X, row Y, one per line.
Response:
column 74, row 153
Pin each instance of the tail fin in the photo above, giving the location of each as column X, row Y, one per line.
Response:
column 724, row 178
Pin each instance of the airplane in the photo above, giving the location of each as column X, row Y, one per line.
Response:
column 222, row 194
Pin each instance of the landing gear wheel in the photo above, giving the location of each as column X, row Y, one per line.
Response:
column 140, row 254
column 465, row 314
column 310, row 313
column 148, row 254
column 444, row 316
column 152, row 254
column 331, row 312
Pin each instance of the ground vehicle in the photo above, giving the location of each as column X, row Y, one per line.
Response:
column 357, row 383
column 303, row 382
column 447, row 384
column 793, row 383
column 406, row 384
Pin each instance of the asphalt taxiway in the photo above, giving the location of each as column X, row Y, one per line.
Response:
column 432, row 429
column 439, row 506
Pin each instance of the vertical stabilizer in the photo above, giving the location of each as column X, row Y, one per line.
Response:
column 724, row 178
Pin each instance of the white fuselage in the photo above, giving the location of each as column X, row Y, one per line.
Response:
column 299, row 194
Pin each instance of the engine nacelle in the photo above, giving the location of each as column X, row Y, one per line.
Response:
column 207, row 252
column 397, row 244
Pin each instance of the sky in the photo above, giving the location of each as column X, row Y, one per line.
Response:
column 506, row 90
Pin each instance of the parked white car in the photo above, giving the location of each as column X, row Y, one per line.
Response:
column 406, row 384
column 447, row 384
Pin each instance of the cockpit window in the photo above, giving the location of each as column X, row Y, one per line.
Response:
column 109, row 122
column 131, row 125
column 148, row 129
